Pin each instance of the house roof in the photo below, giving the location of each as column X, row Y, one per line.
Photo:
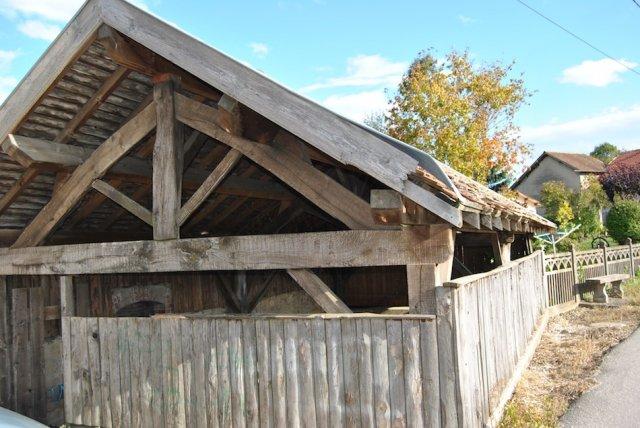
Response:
column 577, row 162
column 626, row 159
column 40, row 103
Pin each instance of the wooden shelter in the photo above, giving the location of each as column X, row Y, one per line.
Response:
column 145, row 172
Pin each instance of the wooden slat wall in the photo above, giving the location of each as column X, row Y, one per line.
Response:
column 492, row 317
column 26, row 384
column 241, row 371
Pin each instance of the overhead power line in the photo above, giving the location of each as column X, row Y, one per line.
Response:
column 636, row 2
column 566, row 30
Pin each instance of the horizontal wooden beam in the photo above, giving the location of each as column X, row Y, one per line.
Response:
column 260, row 252
column 124, row 201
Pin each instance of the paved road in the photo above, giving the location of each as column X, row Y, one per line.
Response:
column 615, row 402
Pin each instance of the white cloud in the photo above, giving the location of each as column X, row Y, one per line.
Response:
column 357, row 106
column 620, row 126
column 466, row 20
column 39, row 30
column 52, row 10
column 42, row 19
column 364, row 70
column 598, row 73
column 261, row 50
column 6, row 58
column 7, row 83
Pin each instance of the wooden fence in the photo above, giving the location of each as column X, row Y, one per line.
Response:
column 247, row 371
column 491, row 319
column 566, row 270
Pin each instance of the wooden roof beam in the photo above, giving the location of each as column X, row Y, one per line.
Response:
column 100, row 161
column 319, row 291
column 127, row 55
column 313, row 184
column 211, row 182
column 87, row 110
column 124, row 201
column 18, row 187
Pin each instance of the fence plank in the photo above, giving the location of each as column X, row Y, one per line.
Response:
column 21, row 371
column 36, row 345
column 240, row 371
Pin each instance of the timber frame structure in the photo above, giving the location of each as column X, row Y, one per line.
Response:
column 133, row 148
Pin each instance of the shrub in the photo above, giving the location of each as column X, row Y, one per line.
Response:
column 623, row 181
column 624, row 221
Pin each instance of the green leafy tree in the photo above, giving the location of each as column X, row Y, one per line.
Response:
column 461, row 114
column 555, row 196
column 587, row 205
column 623, row 220
column 606, row 152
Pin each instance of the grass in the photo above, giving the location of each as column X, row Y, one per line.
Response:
column 567, row 359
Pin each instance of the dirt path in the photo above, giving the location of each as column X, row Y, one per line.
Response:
column 614, row 402
column 566, row 362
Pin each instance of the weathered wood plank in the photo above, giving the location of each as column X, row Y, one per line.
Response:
column 36, row 345
column 85, row 112
column 292, row 251
column 5, row 350
column 250, row 361
column 21, row 368
column 18, row 187
column 124, row 201
column 278, row 382
column 335, row 373
column 211, row 182
column 319, row 291
column 264, row 377
column 167, row 162
column 114, row 148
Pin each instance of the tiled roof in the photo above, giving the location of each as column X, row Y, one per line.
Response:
column 626, row 159
column 579, row 162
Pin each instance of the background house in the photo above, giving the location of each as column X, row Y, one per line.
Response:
column 572, row 169
column 626, row 160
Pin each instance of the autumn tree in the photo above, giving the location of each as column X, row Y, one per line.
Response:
column 461, row 114
column 606, row 152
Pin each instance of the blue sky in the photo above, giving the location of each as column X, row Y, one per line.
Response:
column 349, row 55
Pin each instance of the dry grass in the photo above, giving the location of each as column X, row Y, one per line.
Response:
column 567, row 359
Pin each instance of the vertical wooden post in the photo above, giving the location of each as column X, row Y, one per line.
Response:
column 67, row 303
column 449, row 375
column 167, row 161
column 574, row 269
column 632, row 266
column 423, row 279
column 5, row 352
column 544, row 277
column 604, row 257
column 67, row 309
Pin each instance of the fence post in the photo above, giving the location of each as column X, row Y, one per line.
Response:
column 604, row 255
column 574, row 268
column 632, row 269
column 447, row 357
column 545, row 283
